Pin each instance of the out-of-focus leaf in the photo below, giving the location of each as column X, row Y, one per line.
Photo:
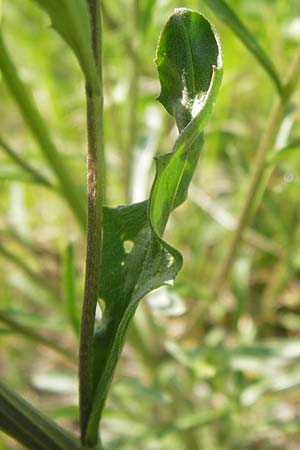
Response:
column 285, row 152
column 189, row 421
column 70, row 289
column 31, row 172
column 71, row 20
column 147, row 8
column 135, row 257
column 40, row 131
column 132, row 387
column 19, row 176
column 279, row 382
column 223, row 10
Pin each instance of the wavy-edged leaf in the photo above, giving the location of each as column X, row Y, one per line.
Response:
column 187, row 53
column 227, row 15
column 135, row 258
column 70, row 18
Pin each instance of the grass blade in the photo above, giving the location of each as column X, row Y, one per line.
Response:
column 70, row 289
column 40, row 132
column 227, row 15
column 27, row 168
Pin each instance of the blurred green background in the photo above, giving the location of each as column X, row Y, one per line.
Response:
column 197, row 372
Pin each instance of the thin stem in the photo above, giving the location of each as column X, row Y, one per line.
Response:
column 96, row 190
column 36, row 337
column 264, row 147
column 35, row 175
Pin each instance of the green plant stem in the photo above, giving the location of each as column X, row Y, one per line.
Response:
column 264, row 147
column 96, row 192
column 29, row 427
column 36, row 176
column 36, row 337
column 40, row 132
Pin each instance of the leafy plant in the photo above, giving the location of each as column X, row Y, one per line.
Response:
column 127, row 256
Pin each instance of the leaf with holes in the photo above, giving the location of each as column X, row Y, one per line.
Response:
column 135, row 258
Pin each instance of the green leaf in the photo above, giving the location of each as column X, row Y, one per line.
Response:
column 223, row 10
column 32, row 173
column 146, row 14
column 135, row 258
column 29, row 427
column 187, row 53
column 70, row 18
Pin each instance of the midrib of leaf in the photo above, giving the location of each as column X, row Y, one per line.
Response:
column 190, row 53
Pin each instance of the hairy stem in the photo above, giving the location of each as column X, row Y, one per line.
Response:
column 96, row 190
column 264, row 147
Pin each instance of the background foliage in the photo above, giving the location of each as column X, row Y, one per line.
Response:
column 218, row 373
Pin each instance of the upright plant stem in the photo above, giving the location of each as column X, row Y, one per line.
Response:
column 264, row 147
column 95, row 188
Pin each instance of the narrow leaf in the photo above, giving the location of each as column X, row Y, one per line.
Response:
column 135, row 257
column 70, row 288
column 27, row 425
column 29, row 170
column 223, row 10
column 40, row 131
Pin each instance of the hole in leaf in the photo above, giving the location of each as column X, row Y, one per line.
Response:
column 171, row 261
column 100, row 309
column 128, row 246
